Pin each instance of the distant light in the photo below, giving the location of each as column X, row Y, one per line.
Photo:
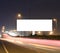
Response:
column 38, row 33
column 33, row 32
column 51, row 33
column 11, row 33
column 0, row 35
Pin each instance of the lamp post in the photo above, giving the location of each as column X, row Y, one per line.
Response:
column 55, row 27
column 55, row 20
column 3, row 28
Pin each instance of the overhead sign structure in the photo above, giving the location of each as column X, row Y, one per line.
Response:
column 34, row 24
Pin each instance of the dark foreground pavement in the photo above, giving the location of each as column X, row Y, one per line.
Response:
column 12, row 48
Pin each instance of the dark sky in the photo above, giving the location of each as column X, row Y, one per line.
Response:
column 29, row 9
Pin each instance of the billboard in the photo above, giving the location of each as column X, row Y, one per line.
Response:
column 34, row 24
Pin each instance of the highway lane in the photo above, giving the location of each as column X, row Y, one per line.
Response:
column 1, row 48
column 27, row 45
column 13, row 48
column 36, row 41
column 21, row 47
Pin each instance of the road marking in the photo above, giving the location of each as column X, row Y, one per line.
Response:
column 5, row 48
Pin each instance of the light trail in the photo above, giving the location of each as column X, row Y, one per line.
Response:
column 34, row 41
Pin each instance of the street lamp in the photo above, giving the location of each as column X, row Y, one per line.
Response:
column 19, row 16
column 54, row 19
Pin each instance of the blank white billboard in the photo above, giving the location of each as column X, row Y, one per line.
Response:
column 34, row 25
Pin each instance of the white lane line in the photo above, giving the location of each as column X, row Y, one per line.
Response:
column 5, row 48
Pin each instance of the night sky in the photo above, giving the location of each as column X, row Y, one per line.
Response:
column 30, row 9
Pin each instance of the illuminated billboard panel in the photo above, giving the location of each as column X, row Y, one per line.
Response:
column 34, row 25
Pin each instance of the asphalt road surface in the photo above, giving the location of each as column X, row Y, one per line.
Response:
column 21, row 47
column 7, row 47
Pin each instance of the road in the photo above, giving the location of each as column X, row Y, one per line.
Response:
column 7, row 47
column 11, row 46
